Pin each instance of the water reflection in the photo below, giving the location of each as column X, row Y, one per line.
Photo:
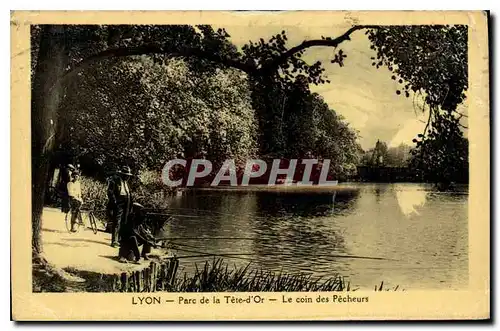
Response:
column 305, row 204
column 379, row 190
column 422, row 234
column 410, row 198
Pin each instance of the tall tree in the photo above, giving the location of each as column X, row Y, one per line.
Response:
column 427, row 58
column 46, row 97
column 144, row 113
column 441, row 156
column 431, row 60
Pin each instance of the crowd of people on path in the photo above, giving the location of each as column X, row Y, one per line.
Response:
column 126, row 219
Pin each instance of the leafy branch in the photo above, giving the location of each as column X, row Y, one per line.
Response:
column 174, row 50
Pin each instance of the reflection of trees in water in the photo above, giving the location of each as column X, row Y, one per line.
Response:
column 299, row 236
column 196, row 214
column 212, row 214
column 305, row 204
column 459, row 194
column 379, row 190
column 299, row 228
column 288, row 229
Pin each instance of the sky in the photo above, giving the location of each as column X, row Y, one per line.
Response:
column 365, row 96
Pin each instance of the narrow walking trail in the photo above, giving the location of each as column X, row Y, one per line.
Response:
column 83, row 250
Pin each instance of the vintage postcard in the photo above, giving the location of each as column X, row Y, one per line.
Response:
column 250, row 166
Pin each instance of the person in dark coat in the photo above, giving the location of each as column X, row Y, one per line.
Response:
column 120, row 200
column 110, row 207
column 135, row 233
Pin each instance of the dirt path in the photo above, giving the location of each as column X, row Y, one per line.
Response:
column 82, row 251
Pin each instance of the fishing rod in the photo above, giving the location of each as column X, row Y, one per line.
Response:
column 301, row 272
column 211, row 211
column 194, row 216
column 236, row 216
column 218, row 214
column 260, row 273
column 263, row 236
column 174, row 215
column 190, row 216
column 204, row 254
column 206, row 210
column 205, row 238
column 231, row 256
column 273, row 254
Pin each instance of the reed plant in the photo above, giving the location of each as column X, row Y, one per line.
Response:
column 216, row 276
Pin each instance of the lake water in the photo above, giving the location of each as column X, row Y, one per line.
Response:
column 418, row 236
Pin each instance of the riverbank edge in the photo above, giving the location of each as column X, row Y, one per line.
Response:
column 96, row 269
column 158, row 275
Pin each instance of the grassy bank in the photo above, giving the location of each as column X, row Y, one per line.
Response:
column 46, row 278
column 213, row 276
column 216, row 276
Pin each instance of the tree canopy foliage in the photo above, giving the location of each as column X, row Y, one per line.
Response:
column 143, row 113
column 382, row 155
column 198, row 107
column 442, row 155
column 431, row 60
column 92, row 95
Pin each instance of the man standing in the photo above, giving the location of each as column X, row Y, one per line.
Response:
column 121, row 202
column 110, row 207
column 75, row 199
column 64, row 179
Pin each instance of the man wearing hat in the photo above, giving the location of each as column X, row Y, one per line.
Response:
column 121, row 200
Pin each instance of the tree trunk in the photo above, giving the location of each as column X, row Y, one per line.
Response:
column 268, row 102
column 46, row 95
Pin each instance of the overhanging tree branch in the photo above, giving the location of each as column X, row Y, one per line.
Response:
column 173, row 51
column 328, row 42
column 155, row 49
column 169, row 51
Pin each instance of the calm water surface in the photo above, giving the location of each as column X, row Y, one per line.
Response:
column 420, row 235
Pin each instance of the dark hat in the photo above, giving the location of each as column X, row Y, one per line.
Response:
column 138, row 209
column 125, row 170
column 137, row 206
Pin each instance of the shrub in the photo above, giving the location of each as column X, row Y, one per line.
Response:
column 94, row 193
column 150, row 192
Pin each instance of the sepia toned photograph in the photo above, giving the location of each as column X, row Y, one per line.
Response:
column 329, row 159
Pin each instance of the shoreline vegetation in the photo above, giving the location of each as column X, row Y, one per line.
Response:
column 212, row 276
column 150, row 191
